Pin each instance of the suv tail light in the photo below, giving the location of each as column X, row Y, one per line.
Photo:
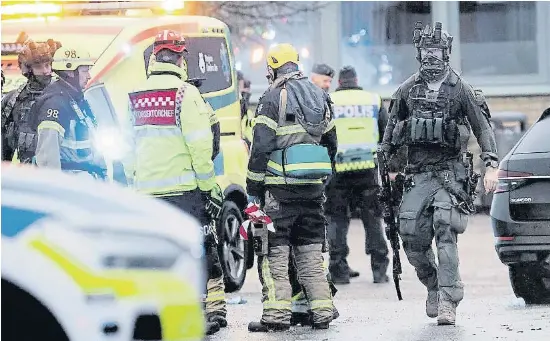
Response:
column 510, row 180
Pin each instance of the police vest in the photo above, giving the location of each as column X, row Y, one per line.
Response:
column 298, row 158
column 163, row 163
column 430, row 121
column 356, row 116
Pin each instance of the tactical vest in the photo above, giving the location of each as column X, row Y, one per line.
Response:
column 20, row 135
column 356, row 118
column 430, row 121
column 298, row 157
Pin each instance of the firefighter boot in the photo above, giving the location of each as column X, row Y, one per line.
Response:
column 212, row 328
column 264, row 327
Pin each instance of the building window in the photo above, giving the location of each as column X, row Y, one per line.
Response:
column 377, row 39
column 498, row 38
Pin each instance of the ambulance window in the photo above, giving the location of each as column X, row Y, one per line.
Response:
column 208, row 58
column 101, row 106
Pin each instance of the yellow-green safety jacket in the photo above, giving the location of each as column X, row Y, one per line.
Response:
column 360, row 120
column 173, row 141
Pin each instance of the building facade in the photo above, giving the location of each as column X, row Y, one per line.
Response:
column 501, row 47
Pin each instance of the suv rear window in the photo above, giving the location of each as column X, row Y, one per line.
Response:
column 536, row 139
column 208, row 58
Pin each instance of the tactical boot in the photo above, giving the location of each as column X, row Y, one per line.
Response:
column 383, row 278
column 446, row 313
column 212, row 327
column 263, row 327
column 219, row 319
column 431, row 304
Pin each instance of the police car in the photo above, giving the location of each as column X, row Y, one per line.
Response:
column 84, row 260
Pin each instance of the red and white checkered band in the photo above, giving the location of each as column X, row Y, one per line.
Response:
column 154, row 107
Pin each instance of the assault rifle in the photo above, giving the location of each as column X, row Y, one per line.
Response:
column 390, row 196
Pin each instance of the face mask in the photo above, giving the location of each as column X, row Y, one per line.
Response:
column 432, row 68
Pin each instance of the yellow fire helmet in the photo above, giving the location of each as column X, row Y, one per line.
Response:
column 281, row 54
column 68, row 58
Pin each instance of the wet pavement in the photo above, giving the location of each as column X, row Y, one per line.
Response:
column 368, row 311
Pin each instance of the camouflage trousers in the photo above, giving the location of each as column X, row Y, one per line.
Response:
column 428, row 210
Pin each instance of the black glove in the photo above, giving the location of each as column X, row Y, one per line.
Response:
column 214, row 202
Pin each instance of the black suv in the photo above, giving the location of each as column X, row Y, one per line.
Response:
column 520, row 213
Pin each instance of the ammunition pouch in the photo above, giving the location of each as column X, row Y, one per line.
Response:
column 10, row 136
column 26, row 142
column 300, row 161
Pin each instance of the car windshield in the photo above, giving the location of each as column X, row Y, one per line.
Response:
column 536, row 140
column 207, row 58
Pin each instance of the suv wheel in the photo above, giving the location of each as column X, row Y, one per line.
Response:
column 528, row 283
column 233, row 250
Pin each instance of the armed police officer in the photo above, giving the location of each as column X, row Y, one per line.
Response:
column 360, row 120
column 292, row 153
column 173, row 151
column 432, row 113
column 63, row 119
column 35, row 62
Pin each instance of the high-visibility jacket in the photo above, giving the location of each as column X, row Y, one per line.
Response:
column 173, row 141
column 356, row 114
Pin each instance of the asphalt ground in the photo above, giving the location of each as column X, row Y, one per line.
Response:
column 368, row 311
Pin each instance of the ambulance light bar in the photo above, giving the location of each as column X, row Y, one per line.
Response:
column 96, row 6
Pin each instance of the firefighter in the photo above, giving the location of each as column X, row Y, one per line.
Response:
column 174, row 148
column 63, row 119
column 293, row 128
column 360, row 121
column 35, row 62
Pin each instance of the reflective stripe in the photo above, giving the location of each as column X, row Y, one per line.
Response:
column 205, row 176
column 196, row 135
column 330, row 125
column 299, row 166
column 163, row 183
column 272, row 302
column 255, row 176
column 292, row 129
column 342, row 167
column 51, row 125
column 151, row 131
column 72, row 144
column 215, row 296
column 320, row 304
column 267, row 121
column 279, row 180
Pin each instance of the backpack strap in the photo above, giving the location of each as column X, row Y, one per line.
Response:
column 282, row 105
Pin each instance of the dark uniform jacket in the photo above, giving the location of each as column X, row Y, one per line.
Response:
column 64, row 122
column 264, row 142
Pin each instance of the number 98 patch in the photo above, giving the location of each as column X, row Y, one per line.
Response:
column 52, row 113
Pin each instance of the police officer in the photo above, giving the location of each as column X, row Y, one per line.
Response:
column 35, row 62
column 63, row 119
column 360, row 121
column 322, row 75
column 293, row 127
column 432, row 113
column 173, row 152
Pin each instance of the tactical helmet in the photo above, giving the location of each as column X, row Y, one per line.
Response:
column 69, row 59
column 35, row 53
column 436, row 38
